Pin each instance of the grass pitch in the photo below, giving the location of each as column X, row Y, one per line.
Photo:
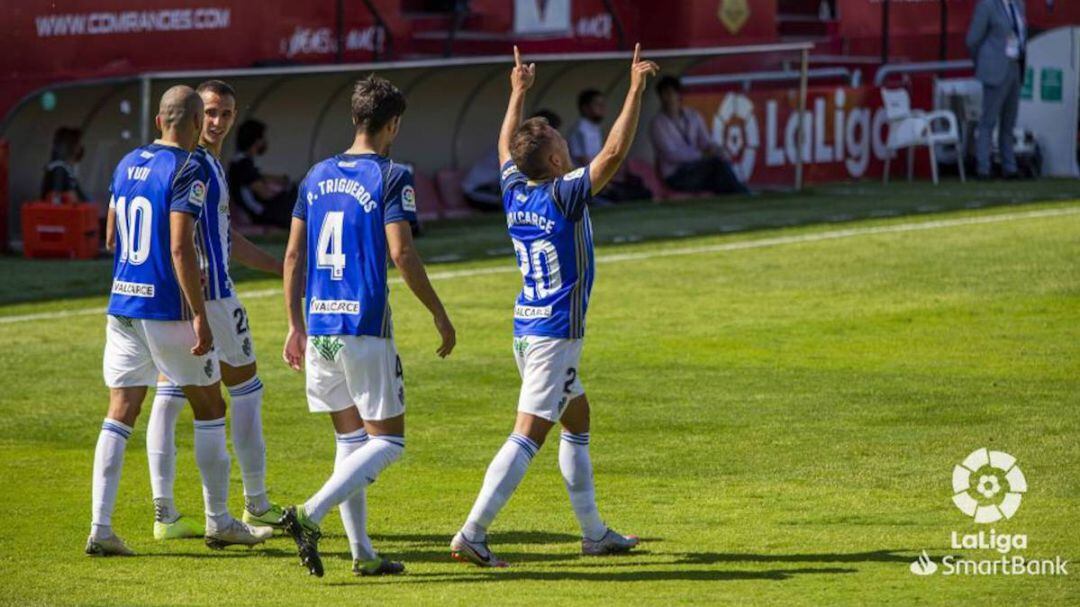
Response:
column 776, row 413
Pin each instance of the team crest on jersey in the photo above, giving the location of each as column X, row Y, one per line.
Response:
column 575, row 174
column 246, row 346
column 327, row 346
column 197, row 194
column 408, row 198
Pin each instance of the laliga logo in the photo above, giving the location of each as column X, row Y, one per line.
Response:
column 988, row 485
column 736, row 128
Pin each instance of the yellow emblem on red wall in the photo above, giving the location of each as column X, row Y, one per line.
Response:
column 733, row 14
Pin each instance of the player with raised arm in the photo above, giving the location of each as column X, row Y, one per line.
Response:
column 350, row 209
column 546, row 203
column 233, row 343
column 157, row 319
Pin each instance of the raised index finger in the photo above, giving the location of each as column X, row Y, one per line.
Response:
column 517, row 57
column 637, row 52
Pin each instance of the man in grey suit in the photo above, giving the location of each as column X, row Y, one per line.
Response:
column 996, row 40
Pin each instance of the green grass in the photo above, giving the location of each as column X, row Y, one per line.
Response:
column 779, row 423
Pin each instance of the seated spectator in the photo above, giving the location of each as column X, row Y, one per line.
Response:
column 267, row 199
column 585, row 141
column 686, row 157
column 60, row 178
column 481, row 184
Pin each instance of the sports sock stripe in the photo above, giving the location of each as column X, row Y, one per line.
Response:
column 396, row 439
column 116, row 428
column 579, row 439
column 526, row 443
column 249, row 387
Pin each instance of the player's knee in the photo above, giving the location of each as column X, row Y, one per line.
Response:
column 125, row 404
column 206, row 401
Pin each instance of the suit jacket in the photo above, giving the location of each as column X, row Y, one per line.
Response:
column 991, row 26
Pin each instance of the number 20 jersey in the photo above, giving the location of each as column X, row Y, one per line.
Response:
column 346, row 202
column 553, row 243
column 149, row 184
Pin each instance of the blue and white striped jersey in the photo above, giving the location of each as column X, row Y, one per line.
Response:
column 149, row 184
column 214, row 229
column 552, row 235
column 346, row 201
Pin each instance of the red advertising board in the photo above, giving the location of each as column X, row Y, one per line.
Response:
column 844, row 132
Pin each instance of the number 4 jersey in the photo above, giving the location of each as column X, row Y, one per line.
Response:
column 552, row 235
column 148, row 185
column 346, row 201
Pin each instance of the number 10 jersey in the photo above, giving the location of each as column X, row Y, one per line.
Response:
column 346, row 202
column 149, row 184
column 553, row 242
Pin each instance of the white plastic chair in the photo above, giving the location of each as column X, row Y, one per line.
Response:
column 910, row 128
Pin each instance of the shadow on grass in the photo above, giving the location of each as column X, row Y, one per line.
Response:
column 875, row 556
column 506, row 537
column 644, row 575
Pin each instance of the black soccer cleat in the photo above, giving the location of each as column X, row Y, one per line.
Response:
column 306, row 534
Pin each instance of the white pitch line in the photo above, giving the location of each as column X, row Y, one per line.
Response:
column 618, row 257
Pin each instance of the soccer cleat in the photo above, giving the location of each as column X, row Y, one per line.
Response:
column 271, row 518
column 306, row 534
column 183, row 527
column 377, row 566
column 237, row 533
column 611, row 543
column 477, row 553
column 109, row 546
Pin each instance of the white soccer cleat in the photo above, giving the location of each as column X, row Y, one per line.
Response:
column 611, row 543
column 237, row 533
column 109, row 546
column 477, row 553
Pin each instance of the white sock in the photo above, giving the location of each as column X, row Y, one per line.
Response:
column 248, row 444
column 169, row 401
column 356, row 472
column 577, row 472
column 108, row 463
column 354, row 509
column 503, row 476
column 212, row 456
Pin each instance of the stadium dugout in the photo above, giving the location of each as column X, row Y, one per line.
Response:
column 455, row 107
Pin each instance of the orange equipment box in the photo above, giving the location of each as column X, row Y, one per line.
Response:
column 60, row 230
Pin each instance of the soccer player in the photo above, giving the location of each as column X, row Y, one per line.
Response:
column 232, row 342
column 546, row 203
column 350, row 209
column 157, row 319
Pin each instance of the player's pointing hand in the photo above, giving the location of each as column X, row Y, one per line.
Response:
column 641, row 69
column 522, row 76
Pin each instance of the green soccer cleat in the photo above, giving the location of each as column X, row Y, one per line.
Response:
column 273, row 517
column 377, row 566
column 305, row 532
column 108, row 546
column 183, row 527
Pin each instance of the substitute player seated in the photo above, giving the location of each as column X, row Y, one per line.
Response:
column 157, row 319
column 351, row 209
column 546, row 202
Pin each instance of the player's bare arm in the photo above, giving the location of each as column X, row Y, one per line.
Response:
column 110, row 231
column 521, row 80
column 407, row 259
column 295, row 262
column 249, row 254
column 617, row 146
column 186, row 265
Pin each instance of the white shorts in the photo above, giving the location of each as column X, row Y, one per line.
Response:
column 137, row 348
column 354, row 370
column 232, row 336
column 549, row 374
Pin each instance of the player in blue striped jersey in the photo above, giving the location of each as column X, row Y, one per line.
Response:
column 233, row 344
column 352, row 209
column 546, row 202
column 157, row 320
